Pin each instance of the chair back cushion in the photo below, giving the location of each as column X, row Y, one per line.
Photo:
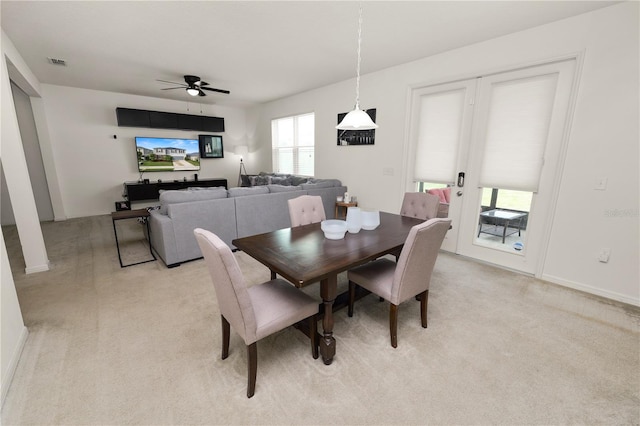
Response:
column 420, row 205
column 306, row 209
column 230, row 287
column 417, row 259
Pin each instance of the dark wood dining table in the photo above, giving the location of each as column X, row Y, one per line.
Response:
column 303, row 256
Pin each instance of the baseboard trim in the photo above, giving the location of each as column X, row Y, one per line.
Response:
column 592, row 290
column 13, row 364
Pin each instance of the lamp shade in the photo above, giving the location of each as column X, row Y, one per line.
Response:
column 357, row 120
column 192, row 91
column 242, row 151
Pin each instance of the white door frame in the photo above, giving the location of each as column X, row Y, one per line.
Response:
column 553, row 171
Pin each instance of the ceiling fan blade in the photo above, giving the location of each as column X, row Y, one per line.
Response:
column 171, row 88
column 215, row 90
column 171, row 82
column 201, row 93
column 202, row 83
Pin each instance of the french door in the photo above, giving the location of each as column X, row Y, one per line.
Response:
column 496, row 142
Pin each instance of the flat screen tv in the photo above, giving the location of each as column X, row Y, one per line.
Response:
column 167, row 154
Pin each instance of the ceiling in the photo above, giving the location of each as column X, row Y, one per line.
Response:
column 259, row 50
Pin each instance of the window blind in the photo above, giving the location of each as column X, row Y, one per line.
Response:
column 516, row 133
column 438, row 136
column 293, row 141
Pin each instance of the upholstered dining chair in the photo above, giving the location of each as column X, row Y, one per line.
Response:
column 306, row 209
column 420, row 205
column 409, row 277
column 253, row 312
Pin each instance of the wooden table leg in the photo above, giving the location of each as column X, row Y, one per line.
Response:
column 328, row 292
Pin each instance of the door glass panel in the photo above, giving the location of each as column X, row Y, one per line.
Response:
column 441, row 190
column 503, row 218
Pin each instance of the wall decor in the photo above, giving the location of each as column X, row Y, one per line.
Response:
column 211, row 146
column 357, row 137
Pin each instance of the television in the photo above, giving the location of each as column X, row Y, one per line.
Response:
column 167, row 154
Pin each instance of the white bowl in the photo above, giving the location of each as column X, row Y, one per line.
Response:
column 370, row 220
column 334, row 229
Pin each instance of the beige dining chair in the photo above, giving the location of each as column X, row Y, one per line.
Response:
column 306, row 209
column 420, row 205
column 409, row 277
column 254, row 312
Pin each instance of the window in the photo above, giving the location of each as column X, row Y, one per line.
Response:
column 293, row 140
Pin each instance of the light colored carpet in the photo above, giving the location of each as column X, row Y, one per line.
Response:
column 141, row 345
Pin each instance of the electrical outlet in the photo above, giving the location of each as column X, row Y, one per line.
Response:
column 604, row 254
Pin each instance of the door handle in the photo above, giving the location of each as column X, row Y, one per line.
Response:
column 459, row 193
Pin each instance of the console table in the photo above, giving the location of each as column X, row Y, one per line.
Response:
column 139, row 191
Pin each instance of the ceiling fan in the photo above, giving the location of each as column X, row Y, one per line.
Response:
column 194, row 86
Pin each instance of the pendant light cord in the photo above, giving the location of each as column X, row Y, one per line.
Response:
column 358, row 66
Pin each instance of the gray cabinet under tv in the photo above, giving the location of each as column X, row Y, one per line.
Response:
column 139, row 191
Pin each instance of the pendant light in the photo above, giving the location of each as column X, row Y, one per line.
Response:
column 357, row 119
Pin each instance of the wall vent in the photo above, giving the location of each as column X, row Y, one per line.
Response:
column 55, row 61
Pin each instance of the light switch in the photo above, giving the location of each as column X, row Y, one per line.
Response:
column 387, row 171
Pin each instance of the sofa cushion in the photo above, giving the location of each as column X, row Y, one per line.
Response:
column 298, row 180
column 181, row 196
column 443, row 193
column 206, row 188
column 278, row 180
column 283, row 188
column 242, row 192
column 317, row 185
column 259, row 180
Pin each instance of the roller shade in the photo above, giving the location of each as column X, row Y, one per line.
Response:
column 440, row 125
column 516, row 132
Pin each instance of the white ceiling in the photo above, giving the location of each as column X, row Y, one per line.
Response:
column 259, row 50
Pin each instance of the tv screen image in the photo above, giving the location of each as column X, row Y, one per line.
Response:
column 167, row 154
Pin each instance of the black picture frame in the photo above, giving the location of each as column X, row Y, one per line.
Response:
column 357, row 137
column 211, row 146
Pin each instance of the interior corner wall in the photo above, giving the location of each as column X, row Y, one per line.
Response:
column 13, row 331
column 603, row 139
column 93, row 165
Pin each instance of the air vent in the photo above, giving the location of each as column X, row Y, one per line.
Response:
column 55, row 61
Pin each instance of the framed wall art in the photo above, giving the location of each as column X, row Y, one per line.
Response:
column 357, row 137
column 211, row 146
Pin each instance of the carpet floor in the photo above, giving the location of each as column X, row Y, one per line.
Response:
column 141, row 346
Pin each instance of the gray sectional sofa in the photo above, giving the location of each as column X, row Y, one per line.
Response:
column 230, row 214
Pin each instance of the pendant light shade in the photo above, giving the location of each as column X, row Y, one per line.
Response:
column 192, row 91
column 357, row 119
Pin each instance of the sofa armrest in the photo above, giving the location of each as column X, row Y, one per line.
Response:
column 163, row 238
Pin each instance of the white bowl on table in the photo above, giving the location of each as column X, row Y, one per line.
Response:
column 333, row 229
column 370, row 220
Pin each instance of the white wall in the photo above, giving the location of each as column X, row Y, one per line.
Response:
column 603, row 141
column 92, row 165
column 14, row 333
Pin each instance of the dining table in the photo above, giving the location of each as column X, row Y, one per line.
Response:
column 304, row 256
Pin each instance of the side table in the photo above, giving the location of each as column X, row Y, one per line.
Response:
column 346, row 206
column 132, row 214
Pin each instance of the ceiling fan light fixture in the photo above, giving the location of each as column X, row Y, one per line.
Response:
column 193, row 91
column 357, row 119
